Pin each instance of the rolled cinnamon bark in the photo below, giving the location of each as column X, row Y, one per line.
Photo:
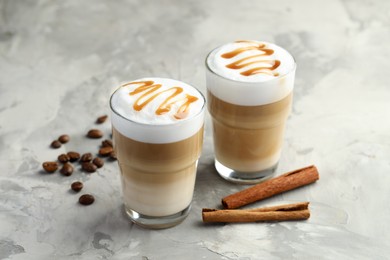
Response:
column 285, row 182
column 299, row 211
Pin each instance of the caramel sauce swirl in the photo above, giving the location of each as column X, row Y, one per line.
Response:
column 253, row 59
column 149, row 91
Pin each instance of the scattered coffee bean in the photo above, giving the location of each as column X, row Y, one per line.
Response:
column 89, row 167
column 50, row 167
column 98, row 162
column 63, row 158
column 86, row 199
column 95, row 133
column 105, row 151
column 67, row 169
column 55, row 144
column 87, row 157
column 113, row 155
column 106, row 143
column 64, row 139
column 77, row 186
column 101, row 119
column 73, row 156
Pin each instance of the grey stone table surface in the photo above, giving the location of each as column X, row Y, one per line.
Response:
column 60, row 60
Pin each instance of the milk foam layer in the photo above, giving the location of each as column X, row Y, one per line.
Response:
column 255, row 73
column 145, row 125
column 263, row 55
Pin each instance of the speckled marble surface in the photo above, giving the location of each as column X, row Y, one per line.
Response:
column 60, row 60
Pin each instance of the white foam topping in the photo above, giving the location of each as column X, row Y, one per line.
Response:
column 256, row 55
column 157, row 110
column 250, row 72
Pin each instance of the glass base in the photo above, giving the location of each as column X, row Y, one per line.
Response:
column 157, row 222
column 244, row 177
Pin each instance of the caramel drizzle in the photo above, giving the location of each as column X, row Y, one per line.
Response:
column 149, row 90
column 244, row 62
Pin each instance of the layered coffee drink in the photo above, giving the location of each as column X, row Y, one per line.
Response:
column 158, row 134
column 249, row 90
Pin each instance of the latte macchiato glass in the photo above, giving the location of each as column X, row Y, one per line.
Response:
column 249, row 90
column 157, row 128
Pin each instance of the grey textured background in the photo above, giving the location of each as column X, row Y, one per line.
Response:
column 60, row 60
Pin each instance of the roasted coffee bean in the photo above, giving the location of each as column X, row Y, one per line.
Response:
column 86, row 199
column 101, row 119
column 50, row 167
column 105, row 151
column 73, row 156
column 63, row 158
column 95, row 133
column 87, row 157
column 89, row 167
column 106, row 143
column 113, row 155
column 64, row 139
column 67, row 169
column 77, row 186
column 98, row 162
column 55, row 144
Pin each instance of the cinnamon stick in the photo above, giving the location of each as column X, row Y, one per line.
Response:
column 298, row 211
column 285, row 182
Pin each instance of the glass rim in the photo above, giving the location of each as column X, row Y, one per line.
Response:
column 251, row 82
column 159, row 125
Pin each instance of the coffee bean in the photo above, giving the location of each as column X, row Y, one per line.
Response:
column 89, row 167
column 87, row 157
column 64, row 139
column 95, row 133
column 113, row 155
column 105, row 151
column 63, row 158
column 67, row 169
column 101, row 119
column 73, row 156
column 50, row 167
column 55, row 144
column 77, row 186
column 86, row 199
column 98, row 162
column 106, row 143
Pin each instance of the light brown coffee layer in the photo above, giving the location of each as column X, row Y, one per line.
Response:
column 248, row 138
column 157, row 158
column 157, row 179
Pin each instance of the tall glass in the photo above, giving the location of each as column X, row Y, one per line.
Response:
column 157, row 162
column 248, row 114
